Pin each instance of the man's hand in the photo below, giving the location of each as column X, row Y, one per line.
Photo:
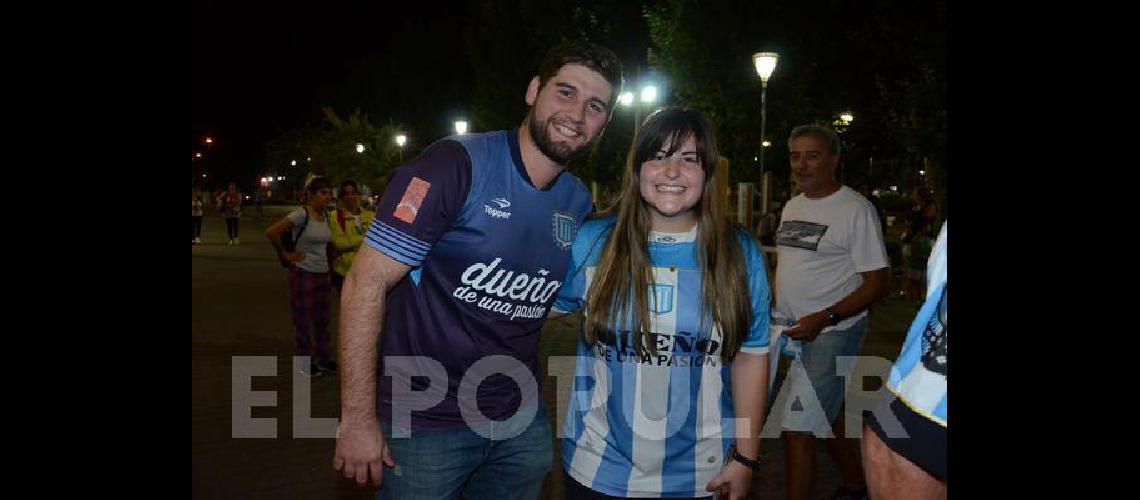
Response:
column 809, row 327
column 360, row 446
column 733, row 481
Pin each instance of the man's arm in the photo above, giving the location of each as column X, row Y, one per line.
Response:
column 749, row 393
column 873, row 288
column 360, row 444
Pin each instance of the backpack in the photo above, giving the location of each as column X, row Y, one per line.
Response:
column 289, row 242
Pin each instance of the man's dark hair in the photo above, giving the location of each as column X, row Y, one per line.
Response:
column 590, row 55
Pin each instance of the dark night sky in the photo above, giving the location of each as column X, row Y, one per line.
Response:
column 260, row 68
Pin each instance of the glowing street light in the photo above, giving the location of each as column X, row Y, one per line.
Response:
column 461, row 127
column 359, row 148
column 765, row 63
column 648, row 94
column 626, row 99
column 401, row 139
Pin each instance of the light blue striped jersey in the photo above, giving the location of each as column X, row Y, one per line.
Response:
column 655, row 425
column 918, row 377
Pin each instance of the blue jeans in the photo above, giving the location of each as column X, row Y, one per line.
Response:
column 446, row 464
column 819, row 363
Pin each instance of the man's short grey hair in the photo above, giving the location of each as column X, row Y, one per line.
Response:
column 825, row 134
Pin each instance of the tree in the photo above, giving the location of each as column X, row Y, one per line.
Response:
column 882, row 59
column 332, row 148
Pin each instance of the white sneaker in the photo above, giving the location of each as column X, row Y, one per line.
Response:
column 237, row 241
column 231, row 242
column 197, row 240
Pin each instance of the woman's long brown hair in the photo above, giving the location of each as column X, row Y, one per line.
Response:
column 624, row 273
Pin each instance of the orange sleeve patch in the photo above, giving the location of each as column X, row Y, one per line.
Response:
column 409, row 205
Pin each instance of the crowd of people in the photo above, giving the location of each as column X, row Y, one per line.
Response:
column 481, row 238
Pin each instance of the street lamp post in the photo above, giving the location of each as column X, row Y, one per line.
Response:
column 841, row 125
column 401, row 139
column 765, row 63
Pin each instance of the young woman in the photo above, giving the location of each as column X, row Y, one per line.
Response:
column 230, row 206
column 310, row 291
column 349, row 225
column 675, row 330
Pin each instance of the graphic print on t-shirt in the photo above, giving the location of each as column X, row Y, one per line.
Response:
column 413, row 197
column 800, row 234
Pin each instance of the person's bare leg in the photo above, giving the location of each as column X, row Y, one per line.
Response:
column 891, row 476
column 799, row 450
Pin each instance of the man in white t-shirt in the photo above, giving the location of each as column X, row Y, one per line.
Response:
column 832, row 265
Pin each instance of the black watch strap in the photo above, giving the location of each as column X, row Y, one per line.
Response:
column 751, row 464
column 833, row 315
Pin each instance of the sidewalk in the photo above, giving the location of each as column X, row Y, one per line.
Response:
column 239, row 308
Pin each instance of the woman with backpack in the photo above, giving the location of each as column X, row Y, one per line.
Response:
column 301, row 239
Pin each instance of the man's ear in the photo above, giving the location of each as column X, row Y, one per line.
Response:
column 532, row 91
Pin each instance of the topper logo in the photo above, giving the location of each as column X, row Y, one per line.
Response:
column 498, row 213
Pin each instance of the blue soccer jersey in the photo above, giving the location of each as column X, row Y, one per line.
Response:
column 918, row 377
column 655, row 425
column 489, row 252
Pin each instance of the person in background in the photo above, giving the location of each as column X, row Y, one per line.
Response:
column 196, row 213
column 230, row 202
column 919, row 239
column 310, row 289
column 831, row 266
column 349, row 226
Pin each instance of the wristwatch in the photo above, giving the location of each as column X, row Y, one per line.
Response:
column 751, row 464
column 833, row 315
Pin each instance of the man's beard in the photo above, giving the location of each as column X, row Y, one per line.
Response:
column 560, row 153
